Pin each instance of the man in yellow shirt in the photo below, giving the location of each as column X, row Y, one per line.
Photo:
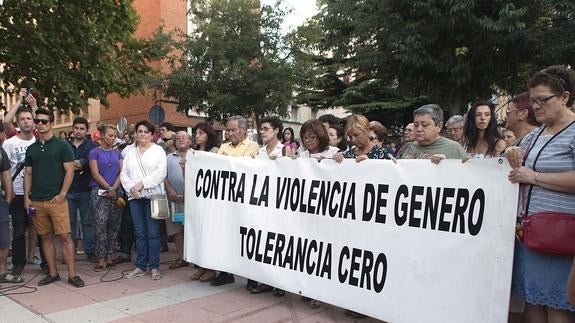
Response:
column 239, row 145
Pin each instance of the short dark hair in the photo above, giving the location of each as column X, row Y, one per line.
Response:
column 146, row 124
column 379, row 130
column 276, row 123
column 45, row 112
column 168, row 125
column 558, row 78
column 24, row 109
column 316, row 127
column 329, row 118
column 340, row 131
column 81, row 120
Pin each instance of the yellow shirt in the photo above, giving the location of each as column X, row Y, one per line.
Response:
column 244, row 148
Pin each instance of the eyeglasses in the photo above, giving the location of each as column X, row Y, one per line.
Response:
column 42, row 121
column 450, row 130
column 508, row 111
column 166, row 139
column 541, row 100
column 264, row 129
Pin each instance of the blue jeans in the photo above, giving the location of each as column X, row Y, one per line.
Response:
column 80, row 201
column 147, row 235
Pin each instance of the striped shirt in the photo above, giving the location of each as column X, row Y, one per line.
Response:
column 556, row 157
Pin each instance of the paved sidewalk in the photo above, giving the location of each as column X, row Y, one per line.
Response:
column 174, row 298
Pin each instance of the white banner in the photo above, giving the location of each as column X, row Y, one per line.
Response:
column 405, row 242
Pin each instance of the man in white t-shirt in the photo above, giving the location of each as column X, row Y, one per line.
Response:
column 15, row 148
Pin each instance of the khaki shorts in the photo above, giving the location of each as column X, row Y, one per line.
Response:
column 173, row 228
column 51, row 217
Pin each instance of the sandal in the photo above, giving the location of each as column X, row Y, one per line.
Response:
column 314, row 304
column 10, row 279
column 178, row 264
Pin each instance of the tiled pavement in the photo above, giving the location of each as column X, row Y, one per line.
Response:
column 174, row 298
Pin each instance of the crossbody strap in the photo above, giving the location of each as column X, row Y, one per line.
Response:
column 529, row 148
column 18, row 170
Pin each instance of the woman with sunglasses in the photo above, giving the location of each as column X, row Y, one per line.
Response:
column 543, row 165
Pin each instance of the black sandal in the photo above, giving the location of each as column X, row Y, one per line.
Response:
column 278, row 292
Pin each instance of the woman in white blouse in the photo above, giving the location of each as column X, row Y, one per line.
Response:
column 142, row 175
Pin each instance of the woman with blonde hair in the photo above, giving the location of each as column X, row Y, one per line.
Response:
column 358, row 130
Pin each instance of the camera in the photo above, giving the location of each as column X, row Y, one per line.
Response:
column 32, row 91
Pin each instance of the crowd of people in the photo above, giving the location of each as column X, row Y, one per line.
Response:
column 49, row 180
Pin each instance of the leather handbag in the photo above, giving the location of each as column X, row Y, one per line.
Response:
column 160, row 209
column 550, row 232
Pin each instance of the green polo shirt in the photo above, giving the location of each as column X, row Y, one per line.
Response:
column 47, row 161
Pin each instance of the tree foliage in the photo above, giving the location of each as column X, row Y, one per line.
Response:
column 450, row 52
column 71, row 51
column 234, row 62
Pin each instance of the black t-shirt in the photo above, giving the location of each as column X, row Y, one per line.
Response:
column 5, row 163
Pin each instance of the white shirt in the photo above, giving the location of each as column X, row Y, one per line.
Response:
column 155, row 166
column 328, row 153
column 16, row 150
column 277, row 151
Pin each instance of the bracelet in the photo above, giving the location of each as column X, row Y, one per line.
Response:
column 537, row 174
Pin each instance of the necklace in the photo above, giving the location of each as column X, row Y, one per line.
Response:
column 108, row 156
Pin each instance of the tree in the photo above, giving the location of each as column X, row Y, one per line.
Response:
column 73, row 51
column 233, row 63
column 448, row 52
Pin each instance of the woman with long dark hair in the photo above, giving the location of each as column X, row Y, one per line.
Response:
column 289, row 140
column 482, row 137
column 206, row 138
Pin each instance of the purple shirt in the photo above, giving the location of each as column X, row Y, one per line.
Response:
column 109, row 162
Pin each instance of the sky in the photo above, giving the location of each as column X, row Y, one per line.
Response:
column 302, row 9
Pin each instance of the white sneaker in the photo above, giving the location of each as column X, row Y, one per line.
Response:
column 34, row 260
column 135, row 273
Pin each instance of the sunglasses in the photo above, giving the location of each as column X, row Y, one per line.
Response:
column 42, row 121
column 166, row 139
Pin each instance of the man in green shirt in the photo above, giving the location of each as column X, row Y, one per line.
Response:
column 429, row 144
column 48, row 175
